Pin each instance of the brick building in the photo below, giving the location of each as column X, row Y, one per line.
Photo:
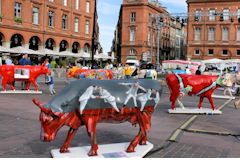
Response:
column 54, row 24
column 136, row 32
column 213, row 29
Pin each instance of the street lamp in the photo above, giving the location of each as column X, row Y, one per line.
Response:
column 158, row 19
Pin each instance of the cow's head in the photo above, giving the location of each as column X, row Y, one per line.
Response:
column 228, row 80
column 51, row 122
column 222, row 80
column 44, row 69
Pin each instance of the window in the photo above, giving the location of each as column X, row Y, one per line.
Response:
column 211, row 52
column 76, row 24
column 225, row 34
column 226, row 14
column 76, row 4
column 64, row 21
column 51, row 19
column 87, row 27
column 225, row 52
column 18, row 10
column 197, row 51
column 35, row 15
column 198, row 15
column 212, row 15
column 238, row 13
column 65, row 2
column 149, row 37
column 211, row 34
column 238, row 34
column 132, row 35
column 87, row 6
column 197, row 34
column 133, row 17
column 132, row 51
column 51, row 0
column 238, row 52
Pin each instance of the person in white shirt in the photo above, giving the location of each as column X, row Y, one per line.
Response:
column 108, row 98
column 157, row 97
column 83, row 99
column 8, row 61
column 132, row 92
column 144, row 97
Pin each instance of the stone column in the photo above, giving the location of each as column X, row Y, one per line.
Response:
column 40, row 47
column 6, row 44
column 56, row 48
column 26, row 45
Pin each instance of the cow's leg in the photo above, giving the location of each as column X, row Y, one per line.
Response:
column 28, row 83
column 200, row 102
column 135, row 142
column 91, row 128
column 211, row 102
column 173, row 99
column 12, row 87
column 230, row 92
column 68, row 140
column 143, row 141
column 141, row 137
column 4, row 84
column 35, row 85
column 94, row 146
column 225, row 91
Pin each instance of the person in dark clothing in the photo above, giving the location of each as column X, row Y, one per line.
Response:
column 198, row 72
column 25, row 60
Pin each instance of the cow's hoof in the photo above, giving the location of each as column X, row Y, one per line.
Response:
column 92, row 153
column 143, row 143
column 64, row 150
column 130, row 149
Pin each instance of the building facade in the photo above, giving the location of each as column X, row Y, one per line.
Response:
column 138, row 35
column 58, row 25
column 213, row 29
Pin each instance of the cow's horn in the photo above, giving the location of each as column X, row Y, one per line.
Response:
column 40, row 105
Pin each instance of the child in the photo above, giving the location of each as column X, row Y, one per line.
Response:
column 50, row 82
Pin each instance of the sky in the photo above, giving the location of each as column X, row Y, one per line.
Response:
column 108, row 13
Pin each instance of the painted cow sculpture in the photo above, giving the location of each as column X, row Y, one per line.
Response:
column 7, row 72
column 65, row 109
column 100, row 74
column 200, row 85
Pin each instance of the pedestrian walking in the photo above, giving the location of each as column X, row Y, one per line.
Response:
column 50, row 82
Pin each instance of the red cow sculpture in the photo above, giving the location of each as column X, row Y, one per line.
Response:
column 7, row 72
column 52, row 122
column 66, row 109
column 200, row 85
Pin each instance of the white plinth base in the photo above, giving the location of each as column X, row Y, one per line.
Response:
column 222, row 97
column 117, row 150
column 21, row 92
column 194, row 111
